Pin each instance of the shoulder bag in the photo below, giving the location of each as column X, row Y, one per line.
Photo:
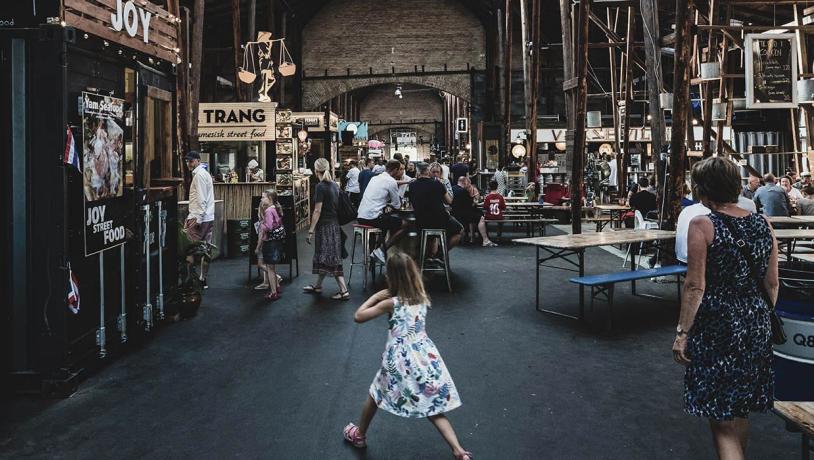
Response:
column 778, row 333
column 277, row 233
column 345, row 213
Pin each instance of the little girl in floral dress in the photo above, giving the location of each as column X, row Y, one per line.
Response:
column 413, row 381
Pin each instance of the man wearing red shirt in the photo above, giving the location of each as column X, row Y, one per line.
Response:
column 494, row 204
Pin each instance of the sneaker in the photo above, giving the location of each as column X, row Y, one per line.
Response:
column 378, row 254
column 351, row 435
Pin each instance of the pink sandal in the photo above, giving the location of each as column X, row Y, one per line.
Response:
column 351, row 434
column 464, row 456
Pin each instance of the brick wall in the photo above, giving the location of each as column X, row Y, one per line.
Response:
column 359, row 34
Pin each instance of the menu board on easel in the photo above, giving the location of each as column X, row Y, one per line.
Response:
column 771, row 71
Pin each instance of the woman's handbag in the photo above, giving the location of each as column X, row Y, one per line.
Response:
column 778, row 333
column 346, row 214
column 277, row 233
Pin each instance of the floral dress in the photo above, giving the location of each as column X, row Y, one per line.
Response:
column 413, row 380
column 729, row 344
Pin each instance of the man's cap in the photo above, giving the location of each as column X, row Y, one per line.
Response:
column 193, row 155
column 253, row 164
column 805, row 174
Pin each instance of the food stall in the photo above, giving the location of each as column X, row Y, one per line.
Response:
column 88, row 131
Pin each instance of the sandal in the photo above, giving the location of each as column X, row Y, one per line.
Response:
column 464, row 456
column 272, row 297
column 311, row 289
column 490, row 244
column 341, row 296
column 351, row 435
column 261, row 287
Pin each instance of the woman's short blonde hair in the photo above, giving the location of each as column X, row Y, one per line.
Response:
column 323, row 169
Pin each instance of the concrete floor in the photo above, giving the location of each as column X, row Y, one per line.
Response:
column 255, row 380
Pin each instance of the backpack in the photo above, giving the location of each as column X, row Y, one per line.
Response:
column 346, row 213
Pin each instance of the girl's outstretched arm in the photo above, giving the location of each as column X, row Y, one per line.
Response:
column 377, row 305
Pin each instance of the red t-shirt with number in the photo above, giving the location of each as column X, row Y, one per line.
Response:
column 494, row 204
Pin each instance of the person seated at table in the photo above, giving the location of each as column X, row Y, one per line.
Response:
column 428, row 197
column 466, row 211
column 494, row 204
column 437, row 173
column 793, row 193
column 410, row 171
column 752, row 184
column 382, row 192
column 771, row 199
column 805, row 205
column 643, row 200
column 461, row 168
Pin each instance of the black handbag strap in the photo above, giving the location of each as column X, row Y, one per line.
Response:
column 740, row 243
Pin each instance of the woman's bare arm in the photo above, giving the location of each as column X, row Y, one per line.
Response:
column 699, row 236
column 771, row 281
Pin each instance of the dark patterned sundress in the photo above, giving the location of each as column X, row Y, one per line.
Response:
column 730, row 341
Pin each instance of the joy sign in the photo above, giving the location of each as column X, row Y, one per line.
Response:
column 128, row 17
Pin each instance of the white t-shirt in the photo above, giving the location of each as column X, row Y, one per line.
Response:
column 352, row 186
column 747, row 204
column 683, row 228
column 445, row 171
column 381, row 191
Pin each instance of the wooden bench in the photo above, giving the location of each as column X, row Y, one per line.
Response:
column 602, row 285
column 530, row 221
column 601, row 222
column 799, row 417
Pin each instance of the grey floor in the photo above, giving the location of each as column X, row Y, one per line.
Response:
column 255, row 380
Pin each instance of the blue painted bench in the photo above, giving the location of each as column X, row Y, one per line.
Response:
column 602, row 285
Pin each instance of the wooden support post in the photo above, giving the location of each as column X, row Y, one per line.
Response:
column 507, row 114
column 525, row 35
column 727, row 84
column 238, row 52
column 631, row 27
column 712, row 53
column 196, row 46
column 613, row 19
column 577, row 136
column 652, row 52
column 681, row 106
column 536, row 70
column 568, row 75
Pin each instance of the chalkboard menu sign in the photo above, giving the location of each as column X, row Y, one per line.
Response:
column 771, row 71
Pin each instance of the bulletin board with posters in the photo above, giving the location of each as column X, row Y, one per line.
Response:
column 102, row 172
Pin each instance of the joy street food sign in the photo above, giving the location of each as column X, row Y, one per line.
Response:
column 237, row 122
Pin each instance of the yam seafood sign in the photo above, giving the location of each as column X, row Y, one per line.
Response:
column 102, row 172
column 237, row 122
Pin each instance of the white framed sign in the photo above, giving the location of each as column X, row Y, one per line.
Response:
column 462, row 125
column 245, row 121
column 771, row 71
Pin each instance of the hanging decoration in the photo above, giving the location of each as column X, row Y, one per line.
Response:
column 258, row 60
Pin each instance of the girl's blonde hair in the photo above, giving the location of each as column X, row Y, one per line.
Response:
column 404, row 280
column 272, row 196
column 323, row 167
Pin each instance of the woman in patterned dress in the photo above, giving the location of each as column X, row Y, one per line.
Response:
column 326, row 233
column 724, row 330
column 413, row 381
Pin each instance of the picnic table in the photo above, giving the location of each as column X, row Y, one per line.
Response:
column 789, row 236
column 799, row 416
column 799, row 221
column 615, row 210
column 571, row 247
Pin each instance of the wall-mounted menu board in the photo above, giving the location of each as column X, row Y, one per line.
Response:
column 771, row 70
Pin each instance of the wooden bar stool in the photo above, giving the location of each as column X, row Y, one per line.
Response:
column 426, row 234
column 365, row 232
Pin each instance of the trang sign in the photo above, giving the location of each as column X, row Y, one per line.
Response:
column 129, row 17
column 237, row 122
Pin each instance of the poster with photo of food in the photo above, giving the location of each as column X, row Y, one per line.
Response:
column 285, row 147
column 102, row 146
column 284, row 132
column 285, row 180
column 284, row 163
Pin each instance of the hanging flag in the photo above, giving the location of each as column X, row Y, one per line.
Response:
column 71, row 158
column 73, row 291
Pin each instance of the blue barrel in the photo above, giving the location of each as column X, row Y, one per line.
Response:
column 794, row 360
